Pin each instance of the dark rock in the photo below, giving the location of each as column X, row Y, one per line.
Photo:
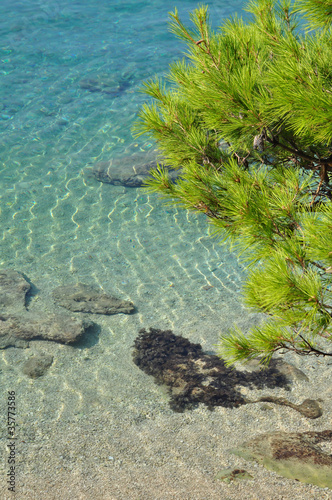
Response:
column 37, row 365
column 16, row 331
column 13, row 290
column 310, row 408
column 130, row 171
column 85, row 298
column 292, row 455
column 194, row 377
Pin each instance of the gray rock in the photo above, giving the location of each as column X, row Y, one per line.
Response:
column 13, row 289
column 292, row 455
column 18, row 326
column 290, row 371
column 16, row 331
column 37, row 365
column 86, row 298
column 130, row 171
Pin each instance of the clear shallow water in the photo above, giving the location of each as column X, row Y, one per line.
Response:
column 58, row 226
column 52, row 125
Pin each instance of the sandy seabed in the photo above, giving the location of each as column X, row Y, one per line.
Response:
column 95, row 426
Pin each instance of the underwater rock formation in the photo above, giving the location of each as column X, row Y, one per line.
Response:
column 16, row 331
column 292, row 455
column 18, row 326
column 291, row 373
column 13, row 290
column 86, row 298
column 37, row 365
column 107, row 84
column 129, row 171
column 194, row 377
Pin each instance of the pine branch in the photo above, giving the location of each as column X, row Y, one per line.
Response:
column 264, row 89
column 297, row 152
column 311, row 350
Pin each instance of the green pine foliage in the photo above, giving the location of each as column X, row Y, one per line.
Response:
column 247, row 117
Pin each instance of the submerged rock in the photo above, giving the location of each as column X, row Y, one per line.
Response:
column 37, row 365
column 16, row 331
column 86, row 298
column 13, row 290
column 18, row 326
column 290, row 371
column 195, row 377
column 292, row 455
column 107, row 84
column 309, row 408
column 104, row 86
column 130, row 171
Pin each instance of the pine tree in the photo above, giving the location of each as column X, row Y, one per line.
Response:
column 247, row 117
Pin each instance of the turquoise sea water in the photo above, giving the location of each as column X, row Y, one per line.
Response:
column 94, row 418
column 52, row 124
